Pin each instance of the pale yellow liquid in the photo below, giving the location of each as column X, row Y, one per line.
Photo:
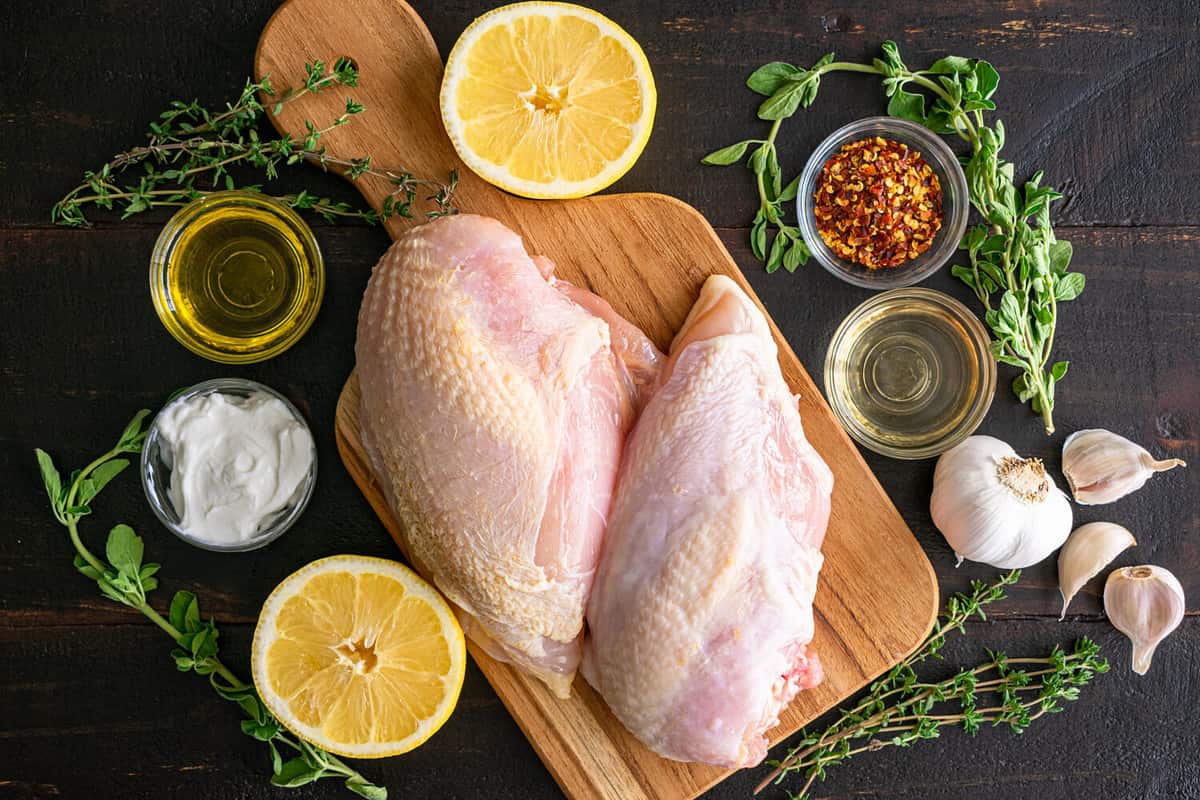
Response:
column 910, row 373
column 240, row 279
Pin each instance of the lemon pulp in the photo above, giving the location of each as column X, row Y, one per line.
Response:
column 548, row 99
column 359, row 656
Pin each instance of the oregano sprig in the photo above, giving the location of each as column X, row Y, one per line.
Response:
column 123, row 577
column 193, row 151
column 1016, row 266
column 901, row 708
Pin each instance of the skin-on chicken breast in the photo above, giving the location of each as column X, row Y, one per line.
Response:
column 701, row 612
column 495, row 406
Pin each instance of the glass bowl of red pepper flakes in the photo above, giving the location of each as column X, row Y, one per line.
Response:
column 883, row 203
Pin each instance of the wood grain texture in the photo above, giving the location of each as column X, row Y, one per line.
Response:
column 1098, row 92
column 646, row 254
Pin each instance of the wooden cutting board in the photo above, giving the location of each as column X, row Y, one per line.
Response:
column 647, row 254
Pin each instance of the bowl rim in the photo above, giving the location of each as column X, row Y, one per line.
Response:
column 981, row 404
column 160, row 265
column 154, row 497
column 938, row 153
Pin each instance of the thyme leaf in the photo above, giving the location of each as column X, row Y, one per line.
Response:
column 901, row 708
column 1016, row 266
column 123, row 577
column 193, row 151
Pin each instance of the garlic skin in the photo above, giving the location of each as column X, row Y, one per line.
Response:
column 1145, row 603
column 1101, row 466
column 995, row 507
column 1089, row 549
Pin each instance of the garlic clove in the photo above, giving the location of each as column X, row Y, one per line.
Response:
column 1101, row 466
column 1089, row 549
column 1145, row 603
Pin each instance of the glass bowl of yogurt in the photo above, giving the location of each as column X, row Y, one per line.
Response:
column 229, row 465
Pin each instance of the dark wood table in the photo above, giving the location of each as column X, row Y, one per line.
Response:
column 1101, row 95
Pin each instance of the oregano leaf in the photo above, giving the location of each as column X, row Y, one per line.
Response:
column 124, row 550
column 767, row 79
column 50, row 478
column 727, row 155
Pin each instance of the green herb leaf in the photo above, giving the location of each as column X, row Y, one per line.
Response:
column 259, row 731
column 775, row 260
column 783, row 103
column 100, row 478
column 87, row 569
column 183, row 661
column 276, row 759
column 891, row 57
column 964, row 274
column 133, row 436
column 987, row 79
column 295, row 772
column 191, row 615
column 758, row 237
column 796, row 255
column 50, row 478
column 367, row 790
column 951, row 64
column 1022, row 389
column 179, row 606
column 1059, row 370
column 758, row 160
column 1068, row 286
column 767, row 79
column 907, row 105
column 727, row 155
column 124, row 550
column 1060, row 256
column 789, row 192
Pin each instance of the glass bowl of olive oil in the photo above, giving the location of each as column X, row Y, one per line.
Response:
column 909, row 374
column 237, row 277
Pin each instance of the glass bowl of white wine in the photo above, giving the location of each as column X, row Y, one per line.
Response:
column 909, row 373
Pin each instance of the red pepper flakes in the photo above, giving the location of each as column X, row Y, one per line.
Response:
column 878, row 203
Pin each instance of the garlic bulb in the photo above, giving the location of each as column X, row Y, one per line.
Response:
column 1090, row 548
column 1102, row 467
column 996, row 507
column 1144, row 603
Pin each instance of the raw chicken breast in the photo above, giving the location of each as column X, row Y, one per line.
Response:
column 494, row 407
column 701, row 612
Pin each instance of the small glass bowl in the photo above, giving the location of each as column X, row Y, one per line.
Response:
column 156, row 471
column 841, row 378
column 955, row 203
column 168, row 272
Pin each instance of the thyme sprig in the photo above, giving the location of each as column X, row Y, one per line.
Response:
column 901, row 708
column 1007, row 255
column 124, row 577
column 192, row 151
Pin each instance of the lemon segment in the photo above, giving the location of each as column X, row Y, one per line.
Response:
column 358, row 656
column 548, row 100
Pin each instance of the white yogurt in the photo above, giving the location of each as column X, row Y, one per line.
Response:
column 234, row 462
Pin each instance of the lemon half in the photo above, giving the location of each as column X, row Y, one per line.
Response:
column 359, row 656
column 548, row 100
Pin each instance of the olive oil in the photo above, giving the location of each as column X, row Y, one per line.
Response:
column 238, row 278
column 909, row 373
